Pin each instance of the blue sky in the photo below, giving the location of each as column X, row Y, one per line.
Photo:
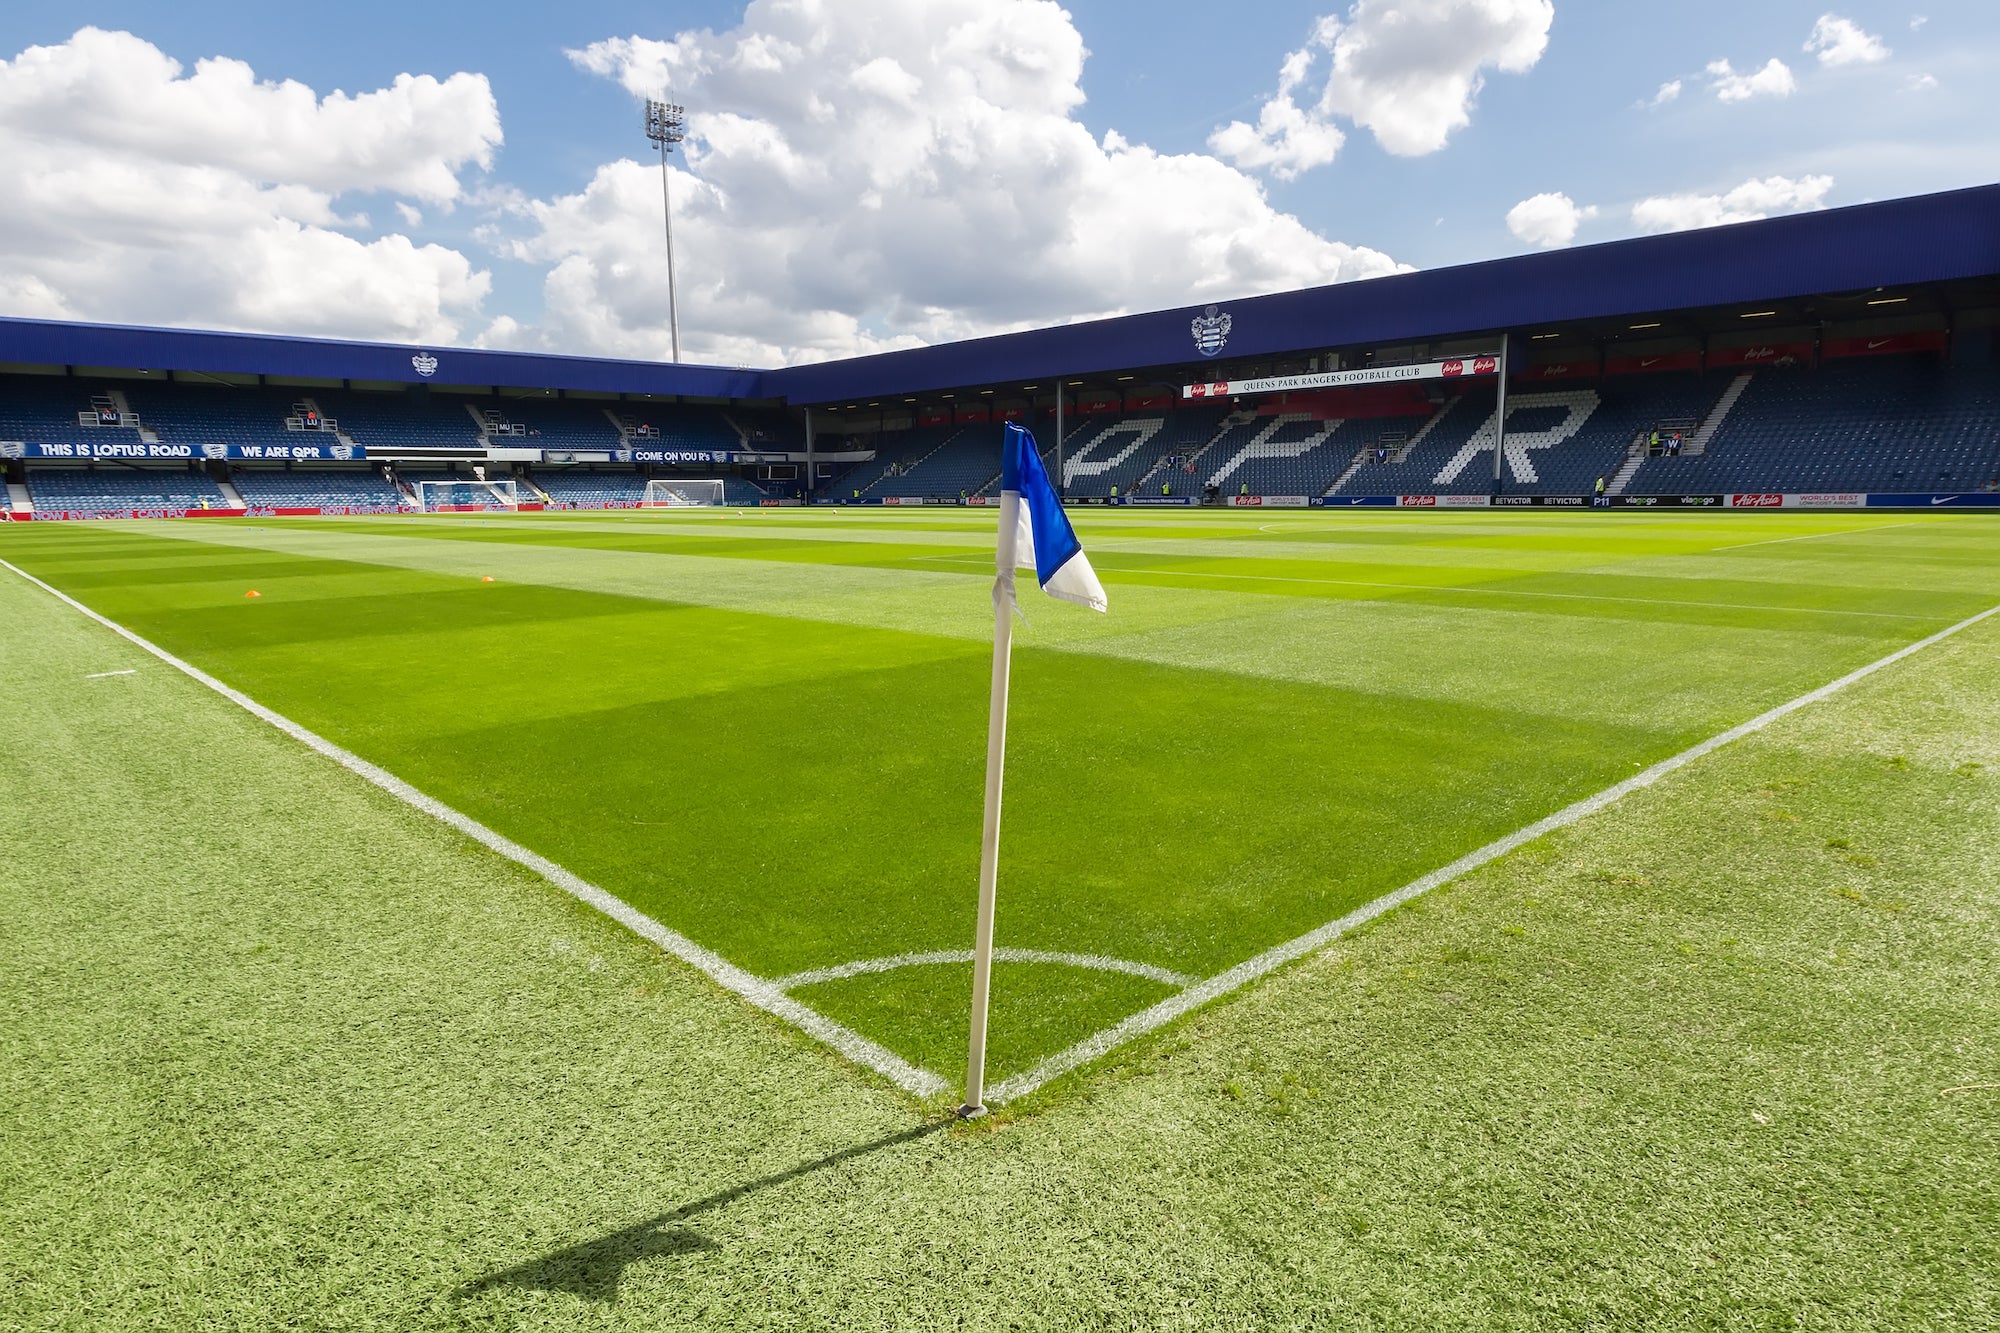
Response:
column 544, row 239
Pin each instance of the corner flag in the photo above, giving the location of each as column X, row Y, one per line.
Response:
column 1043, row 538
column 1034, row 533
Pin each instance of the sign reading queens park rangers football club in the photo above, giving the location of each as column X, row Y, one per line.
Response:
column 1468, row 367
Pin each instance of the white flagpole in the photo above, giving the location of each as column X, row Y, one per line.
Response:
column 996, row 765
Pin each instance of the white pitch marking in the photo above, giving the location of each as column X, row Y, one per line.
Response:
column 755, row 989
column 1096, row 962
column 1809, row 536
column 100, row 675
column 1167, row 1010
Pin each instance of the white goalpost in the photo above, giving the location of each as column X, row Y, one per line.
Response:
column 466, row 497
column 675, row 493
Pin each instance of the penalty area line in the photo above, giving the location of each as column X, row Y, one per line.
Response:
column 762, row 993
column 1166, row 1011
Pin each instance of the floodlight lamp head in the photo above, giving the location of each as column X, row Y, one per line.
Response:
column 666, row 123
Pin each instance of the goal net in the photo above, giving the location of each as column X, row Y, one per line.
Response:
column 676, row 494
column 466, row 497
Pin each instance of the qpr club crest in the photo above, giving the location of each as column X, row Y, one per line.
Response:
column 343, row 452
column 1211, row 331
column 425, row 364
column 215, row 451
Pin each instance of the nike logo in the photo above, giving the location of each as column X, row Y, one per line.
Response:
column 1874, row 343
column 1942, row 499
column 1648, row 361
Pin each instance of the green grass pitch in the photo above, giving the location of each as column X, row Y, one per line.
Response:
column 281, row 1052
column 765, row 729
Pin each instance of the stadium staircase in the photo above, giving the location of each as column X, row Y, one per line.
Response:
column 1120, row 457
column 1698, row 443
column 18, row 499
column 1697, row 433
column 1204, row 435
column 1882, row 424
column 911, row 451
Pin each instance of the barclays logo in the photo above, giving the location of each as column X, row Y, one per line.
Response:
column 425, row 364
column 1211, row 331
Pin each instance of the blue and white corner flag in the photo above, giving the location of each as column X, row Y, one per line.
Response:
column 1043, row 538
column 1034, row 534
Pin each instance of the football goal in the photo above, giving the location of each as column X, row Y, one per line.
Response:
column 466, row 497
column 662, row 493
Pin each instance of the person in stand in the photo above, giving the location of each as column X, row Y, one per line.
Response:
column 1164, row 490
column 1600, row 488
column 1114, row 490
column 1244, row 489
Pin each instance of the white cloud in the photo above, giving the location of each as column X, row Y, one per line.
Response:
column 139, row 192
column 1773, row 80
column 1547, row 220
column 1406, row 70
column 1286, row 138
column 1922, row 83
column 1746, row 203
column 1917, row 21
column 1838, row 41
column 1668, row 92
column 865, row 177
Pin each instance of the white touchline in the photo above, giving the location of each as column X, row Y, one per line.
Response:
column 758, row 991
column 1092, row 961
column 1814, row 536
column 1167, row 1010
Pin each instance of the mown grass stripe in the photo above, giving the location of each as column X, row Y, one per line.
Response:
column 1173, row 1007
column 762, row 993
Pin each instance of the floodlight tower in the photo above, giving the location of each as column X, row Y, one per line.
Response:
column 666, row 125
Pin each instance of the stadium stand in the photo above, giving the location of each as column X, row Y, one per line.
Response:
column 1118, row 451
column 896, row 453
column 113, row 489
column 45, row 410
column 545, row 423
column 361, row 489
column 676, row 426
column 964, row 462
column 1558, row 441
column 1888, row 424
column 217, row 414
column 393, row 420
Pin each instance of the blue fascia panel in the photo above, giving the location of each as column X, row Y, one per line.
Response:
column 48, row 343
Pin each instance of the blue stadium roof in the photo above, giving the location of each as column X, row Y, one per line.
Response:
column 42, row 342
column 1897, row 243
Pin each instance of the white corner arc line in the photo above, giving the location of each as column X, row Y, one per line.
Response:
column 105, row 675
column 1092, row 961
column 762, row 993
column 1167, row 1010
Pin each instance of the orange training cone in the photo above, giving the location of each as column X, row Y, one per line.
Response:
column 487, row 579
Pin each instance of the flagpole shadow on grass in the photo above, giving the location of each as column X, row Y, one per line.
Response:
column 592, row 1269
